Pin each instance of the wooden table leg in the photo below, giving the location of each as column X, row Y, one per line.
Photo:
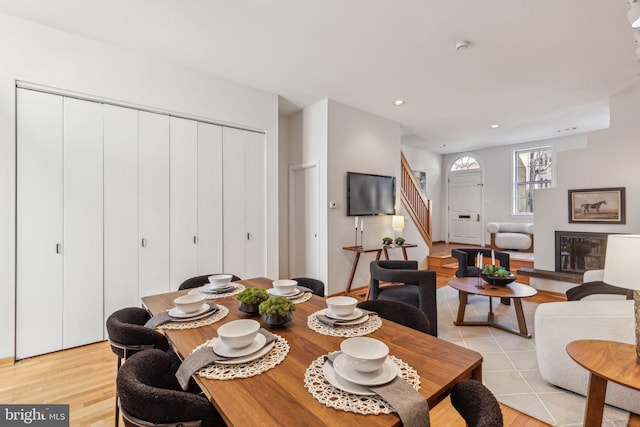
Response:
column 378, row 254
column 522, row 323
column 353, row 272
column 462, row 306
column 404, row 253
column 595, row 401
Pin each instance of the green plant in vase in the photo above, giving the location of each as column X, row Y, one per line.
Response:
column 399, row 241
column 250, row 299
column 276, row 311
column 387, row 241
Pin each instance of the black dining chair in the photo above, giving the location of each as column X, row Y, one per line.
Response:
column 399, row 312
column 197, row 281
column 409, row 285
column 476, row 404
column 316, row 286
column 150, row 395
column 468, row 258
column 128, row 335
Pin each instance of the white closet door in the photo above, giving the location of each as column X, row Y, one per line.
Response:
column 255, row 204
column 235, row 234
column 209, row 199
column 120, row 208
column 39, row 223
column 83, row 238
column 153, row 140
column 184, row 200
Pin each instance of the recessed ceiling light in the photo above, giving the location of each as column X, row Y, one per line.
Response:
column 571, row 128
column 398, row 102
column 495, row 126
column 443, row 145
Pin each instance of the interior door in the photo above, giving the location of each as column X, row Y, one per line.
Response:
column 184, row 200
column 83, row 222
column 465, row 207
column 303, row 222
column 255, row 204
column 39, row 223
column 153, row 181
column 209, row 198
column 235, row 234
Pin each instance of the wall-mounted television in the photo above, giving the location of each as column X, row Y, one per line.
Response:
column 369, row 194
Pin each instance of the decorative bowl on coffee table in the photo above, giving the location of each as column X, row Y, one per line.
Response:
column 498, row 280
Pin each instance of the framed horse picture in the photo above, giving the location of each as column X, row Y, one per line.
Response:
column 597, row 206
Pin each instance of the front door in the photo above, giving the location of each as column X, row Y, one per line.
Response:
column 465, row 206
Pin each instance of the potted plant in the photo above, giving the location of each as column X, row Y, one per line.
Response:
column 276, row 311
column 399, row 241
column 387, row 241
column 250, row 299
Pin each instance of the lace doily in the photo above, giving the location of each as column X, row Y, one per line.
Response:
column 249, row 369
column 335, row 398
column 238, row 287
column 373, row 323
column 218, row 315
column 306, row 296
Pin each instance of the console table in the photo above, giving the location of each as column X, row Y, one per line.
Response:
column 378, row 250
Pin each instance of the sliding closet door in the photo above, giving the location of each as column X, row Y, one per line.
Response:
column 83, row 239
column 120, row 208
column 209, row 199
column 39, row 224
column 184, row 200
column 235, row 234
column 153, row 140
column 255, row 204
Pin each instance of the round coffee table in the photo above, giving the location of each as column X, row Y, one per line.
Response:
column 477, row 286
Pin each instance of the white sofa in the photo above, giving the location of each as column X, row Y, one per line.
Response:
column 511, row 236
column 559, row 323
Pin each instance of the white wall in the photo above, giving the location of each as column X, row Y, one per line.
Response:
column 431, row 163
column 357, row 142
column 609, row 160
column 41, row 55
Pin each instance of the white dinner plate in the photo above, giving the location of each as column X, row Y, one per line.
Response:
column 342, row 384
column 221, row 349
column 219, row 290
column 198, row 317
column 383, row 375
column 274, row 292
column 356, row 314
column 358, row 321
column 249, row 357
column 179, row 314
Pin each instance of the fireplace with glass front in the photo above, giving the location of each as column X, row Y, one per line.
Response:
column 578, row 251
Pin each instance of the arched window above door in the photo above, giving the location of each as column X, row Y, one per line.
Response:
column 465, row 163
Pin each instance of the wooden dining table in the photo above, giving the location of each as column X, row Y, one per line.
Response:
column 279, row 397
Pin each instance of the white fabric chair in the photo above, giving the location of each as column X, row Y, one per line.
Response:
column 594, row 317
column 511, row 235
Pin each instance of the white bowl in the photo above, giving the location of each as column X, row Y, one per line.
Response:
column 364, row 354
column 238, row 333
column 341, row 306
column 220, row 280
column 190, row 303
column 285, row 286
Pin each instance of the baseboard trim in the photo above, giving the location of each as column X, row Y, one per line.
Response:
column 7, row 361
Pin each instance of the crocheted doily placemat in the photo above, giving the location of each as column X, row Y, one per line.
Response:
column 249, row 369
column 333, row 397
column 373, row 323
column 218, row 315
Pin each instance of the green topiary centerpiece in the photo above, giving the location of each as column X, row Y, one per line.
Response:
column 276, row 311
column 250, row 299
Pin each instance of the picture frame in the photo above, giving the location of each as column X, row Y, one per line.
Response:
column 597, row 206
column 421, row 178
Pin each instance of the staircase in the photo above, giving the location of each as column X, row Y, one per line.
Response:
column 414, row 202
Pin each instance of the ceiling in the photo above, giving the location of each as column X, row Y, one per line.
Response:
column 537, row 67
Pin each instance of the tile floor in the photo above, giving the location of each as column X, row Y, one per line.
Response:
column 510, row 366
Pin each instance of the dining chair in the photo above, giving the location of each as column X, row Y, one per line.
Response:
column 467, row 263
column 197, row 281
column 128, row 335
column 316, row 286
column 150, row 395
column 398, row 312
column 409, row 285
column 476, row 404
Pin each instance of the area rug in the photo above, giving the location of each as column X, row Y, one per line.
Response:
column 510, row 369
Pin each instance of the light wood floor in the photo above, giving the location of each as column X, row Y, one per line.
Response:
column 84, row 378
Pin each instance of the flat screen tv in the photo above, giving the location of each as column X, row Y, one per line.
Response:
column 370, row 194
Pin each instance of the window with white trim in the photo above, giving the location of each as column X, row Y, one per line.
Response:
column 465, row 163
column 532, row 169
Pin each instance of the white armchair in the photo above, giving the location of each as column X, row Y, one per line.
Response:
column 559, row 323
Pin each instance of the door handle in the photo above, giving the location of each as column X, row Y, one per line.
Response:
column 478, row 217
column 464, row 216
column 195, row 240
column 143, row 242
column 58, row 248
